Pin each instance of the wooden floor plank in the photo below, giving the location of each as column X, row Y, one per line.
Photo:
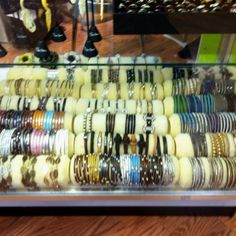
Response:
column 117, row 225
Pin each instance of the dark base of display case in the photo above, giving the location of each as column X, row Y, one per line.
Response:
column 174, row 23
column 112, row 211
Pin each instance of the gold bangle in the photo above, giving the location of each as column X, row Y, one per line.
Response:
column 218, row 147
column 99, row 143
column 213, row 146
column 223, row 144
column 90, row 168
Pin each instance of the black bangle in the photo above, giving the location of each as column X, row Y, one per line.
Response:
column 107, row 122
column 59, row 101
column 64, row 104
column 141, row 144
column 18, row 103
column 14, row 120
column 140, row 76
column 25, row 141
column 126, row 142
column 160, row 169
column 118, row 141
column 134, row 123
column 130, row 75
column 105, row 142
column 110, row 145
column 86, row 143
column 24, row 104
column 158, row 146
column 165, row 147
column 92, row 134
column 146, row 76
column 151, row 77
column 113, row 120
column 147, row 144
column 55, row 103
column 127, row 124
column 130, row 124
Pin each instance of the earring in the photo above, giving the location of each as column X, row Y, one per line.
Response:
column 48, row 14
column 27, row 18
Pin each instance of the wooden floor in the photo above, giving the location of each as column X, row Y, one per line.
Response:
column 123, row 224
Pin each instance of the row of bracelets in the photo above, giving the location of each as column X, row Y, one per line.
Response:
column 132, row 71
column 34, row 142
column 62, row 142
column 196, row 86
column 67, row 88
column 195, row 145
column 108, row 170
column 136, row 91
column 169, row 106
column 178, row 123
column 81, row 105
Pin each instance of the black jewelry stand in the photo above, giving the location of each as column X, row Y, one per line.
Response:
column 3, row 51
column 41, row 50
column 89, row 49
column 94, row 34
column 57, row 34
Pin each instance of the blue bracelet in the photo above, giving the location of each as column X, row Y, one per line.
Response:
column 48, row 117
column 138, row 168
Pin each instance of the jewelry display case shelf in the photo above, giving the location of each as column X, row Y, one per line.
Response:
column 173, row 23
column 119, row 198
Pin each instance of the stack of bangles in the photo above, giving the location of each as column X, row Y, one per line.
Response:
column 202, row 123
column 197, row 86
column 132, row 90
column 207, row 173
column 170, row 105
column 124, row 169
column 200, row 104
column 205, row 145
column 32, row 119
column 21, row 87
column 190, row 145
column 33, row 142
column 60, row 172
column 74, row 106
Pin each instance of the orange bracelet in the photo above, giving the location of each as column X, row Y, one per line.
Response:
column 61, row 120
column 41, row 119
column 34, row 119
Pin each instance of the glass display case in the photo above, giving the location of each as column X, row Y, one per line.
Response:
column 92, row 118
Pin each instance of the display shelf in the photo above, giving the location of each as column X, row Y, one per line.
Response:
column 120, row 198
column 173, row 23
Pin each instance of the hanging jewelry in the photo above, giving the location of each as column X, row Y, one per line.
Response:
column 27, row 18
column 48, row 14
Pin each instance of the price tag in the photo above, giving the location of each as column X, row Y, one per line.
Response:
column 53, row 74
